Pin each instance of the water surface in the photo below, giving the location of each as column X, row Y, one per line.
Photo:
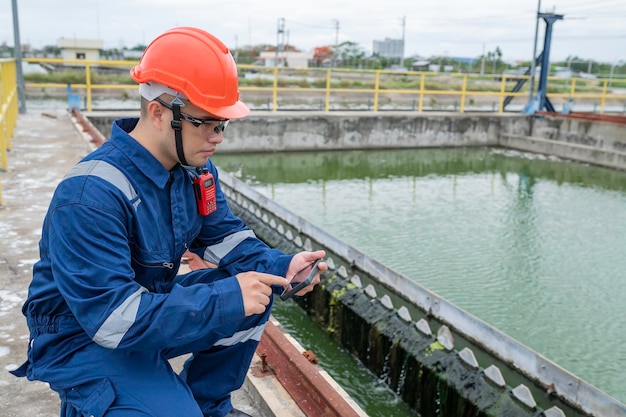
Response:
column 533, row 246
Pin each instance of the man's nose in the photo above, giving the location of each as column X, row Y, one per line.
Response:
column 217, row 138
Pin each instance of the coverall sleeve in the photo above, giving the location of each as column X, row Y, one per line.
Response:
column 92, row 270
column 227, row 242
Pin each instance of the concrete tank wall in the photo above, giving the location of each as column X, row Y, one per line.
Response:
column 593, row 142
column 349, row 130
column 298, row 131
column 604, row 135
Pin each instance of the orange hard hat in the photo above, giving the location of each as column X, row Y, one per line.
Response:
column 196, row 64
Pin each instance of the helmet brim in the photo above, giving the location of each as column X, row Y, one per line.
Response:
column 236, row 111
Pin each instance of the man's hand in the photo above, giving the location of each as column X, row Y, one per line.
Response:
column 195, row 262
column 298, row 270
column 256, row 290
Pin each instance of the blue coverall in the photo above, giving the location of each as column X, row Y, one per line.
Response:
column 106, row 308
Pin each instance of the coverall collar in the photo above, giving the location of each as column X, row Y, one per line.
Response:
column 137, row 154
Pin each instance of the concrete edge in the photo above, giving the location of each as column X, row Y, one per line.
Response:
column 329, row 379
column 268, row 395
column 273, row 400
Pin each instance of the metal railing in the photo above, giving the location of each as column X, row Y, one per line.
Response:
column 8, row 112
column 86, row 67
column 274, row 88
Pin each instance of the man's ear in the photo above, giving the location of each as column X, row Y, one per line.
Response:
column 156, row 114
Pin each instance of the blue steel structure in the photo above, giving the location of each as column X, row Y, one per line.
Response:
column 541, row 101
column 521, row 81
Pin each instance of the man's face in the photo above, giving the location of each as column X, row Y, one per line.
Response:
column 201, row 131
column 201, row 136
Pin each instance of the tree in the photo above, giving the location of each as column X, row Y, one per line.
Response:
column 52, row 51
column 490, row 58
column 322, row 54
column 138, row 47
column 496, row 55
column 349, row 53
column 249, row 54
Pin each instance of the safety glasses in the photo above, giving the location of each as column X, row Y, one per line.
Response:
column 212, row 126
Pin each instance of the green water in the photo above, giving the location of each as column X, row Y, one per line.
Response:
column 533, row 246
column 376, row 399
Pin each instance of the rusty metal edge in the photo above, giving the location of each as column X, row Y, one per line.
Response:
column 96, row 137
column 610, row 118
column 300, row 378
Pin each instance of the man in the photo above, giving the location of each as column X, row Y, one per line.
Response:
column 106, row 308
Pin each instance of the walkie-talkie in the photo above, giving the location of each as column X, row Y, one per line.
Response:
column 204, row 186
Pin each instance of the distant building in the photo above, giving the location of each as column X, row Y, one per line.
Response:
column 463, row 60
column 420, row 65
column 440, row 68
column 87, row 49
column 563, row 72
column 285, row 59
column 389, row 48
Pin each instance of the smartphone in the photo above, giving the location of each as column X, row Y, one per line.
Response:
column 288, row 293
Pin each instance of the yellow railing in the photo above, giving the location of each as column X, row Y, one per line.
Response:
column 8, row 114
column 86, row 66
column 460, row 91
column 341, row 89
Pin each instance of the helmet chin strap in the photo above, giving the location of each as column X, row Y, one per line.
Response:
column 177, row 125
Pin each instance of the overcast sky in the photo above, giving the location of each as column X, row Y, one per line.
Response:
column 591, row 29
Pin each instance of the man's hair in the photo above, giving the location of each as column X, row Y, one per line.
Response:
column 144, row 107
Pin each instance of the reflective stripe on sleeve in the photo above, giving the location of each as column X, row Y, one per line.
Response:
column 254, row 333
column 215, row 253
column 110, row 334
column 107, row 172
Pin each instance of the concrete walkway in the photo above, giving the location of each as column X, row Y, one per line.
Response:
column 45, row 146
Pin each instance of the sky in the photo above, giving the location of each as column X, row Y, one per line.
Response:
column 591, row 29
